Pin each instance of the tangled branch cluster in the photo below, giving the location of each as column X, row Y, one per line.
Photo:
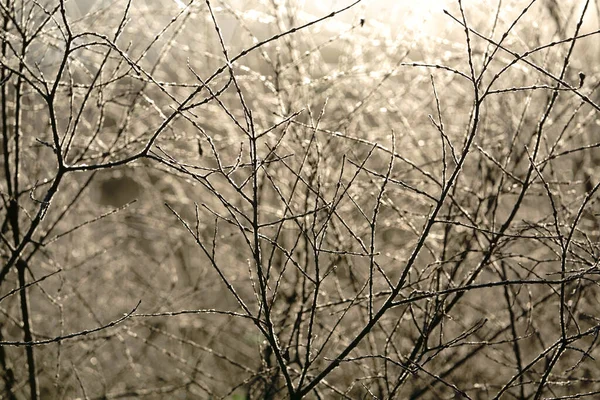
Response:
column 225, row 201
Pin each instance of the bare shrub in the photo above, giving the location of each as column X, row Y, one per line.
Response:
column 246, row 200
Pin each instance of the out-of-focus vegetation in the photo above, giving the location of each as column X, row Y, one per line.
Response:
column 285, row 199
